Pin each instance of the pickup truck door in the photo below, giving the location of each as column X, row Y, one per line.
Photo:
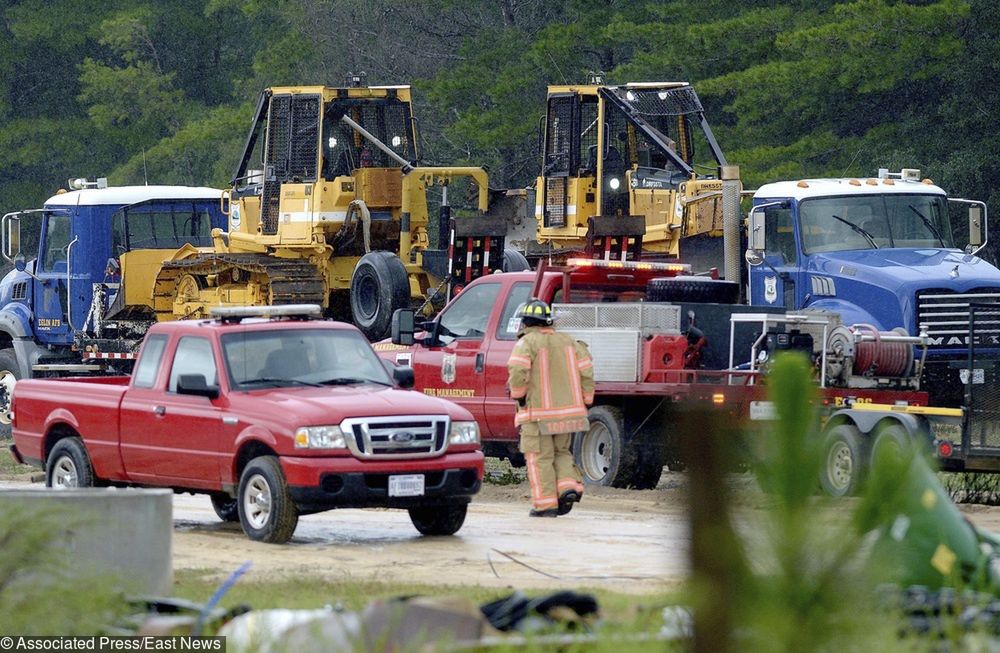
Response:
column 453, row 368
column 169, row 438
column 498, row 406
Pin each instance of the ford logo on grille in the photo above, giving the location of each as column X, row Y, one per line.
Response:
column 401, row 436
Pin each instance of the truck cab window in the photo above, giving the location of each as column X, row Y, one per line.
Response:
column 193, row 356
column 56, row 245
column 149, row 363
column 468, row 314
column 510, row 324
column 780, row 235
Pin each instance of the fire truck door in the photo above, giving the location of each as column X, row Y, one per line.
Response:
column 453, row 368
column 499, row 407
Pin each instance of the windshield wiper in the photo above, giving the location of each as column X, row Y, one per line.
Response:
column 930, row 225
column 858, row 229
column 278, row 381
column 350, row 380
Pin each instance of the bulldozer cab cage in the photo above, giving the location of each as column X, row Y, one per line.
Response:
column 310, row 134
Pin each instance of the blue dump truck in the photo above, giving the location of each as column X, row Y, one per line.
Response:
column 81, row 293
column 890, row 253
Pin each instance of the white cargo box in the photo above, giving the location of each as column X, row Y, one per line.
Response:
column 615, row 352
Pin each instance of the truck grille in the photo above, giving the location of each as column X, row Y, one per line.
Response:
column 420, row 436
column 946, row 315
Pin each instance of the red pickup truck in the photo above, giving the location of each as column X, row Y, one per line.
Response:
column 272, row 417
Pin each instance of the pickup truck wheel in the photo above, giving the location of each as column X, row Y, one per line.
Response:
column 843, row 461
column 69, row 466
column 602, row 453
column 267, row 512
column 226, row 507
column 438, row 520
column 9, row 374
column 379, row 286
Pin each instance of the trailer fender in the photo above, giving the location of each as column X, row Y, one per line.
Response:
column 869, row 422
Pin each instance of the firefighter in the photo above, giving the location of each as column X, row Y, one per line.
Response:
column 551, row 376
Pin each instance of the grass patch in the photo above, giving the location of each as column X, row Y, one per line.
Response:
column 634, row 613
column 9, row 468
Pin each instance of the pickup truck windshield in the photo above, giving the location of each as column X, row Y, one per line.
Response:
column 833, row 224
column 296, row 357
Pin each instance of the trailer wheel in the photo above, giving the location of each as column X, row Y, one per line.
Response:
column 844, row 461
column 438, row 520
column 514, row 261
column 700, row 290
column 602, row 453
column 379, row 286
column 892, row 440
column 10, row 372
column 267, row 512
column 69, row 466
column 226, row 507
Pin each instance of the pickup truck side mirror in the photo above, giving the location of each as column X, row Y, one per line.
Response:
column 195, row 384
column 403, row 375
column 403, row 327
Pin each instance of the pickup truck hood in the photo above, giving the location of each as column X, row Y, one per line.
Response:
column 331, row 405
column 908, row 270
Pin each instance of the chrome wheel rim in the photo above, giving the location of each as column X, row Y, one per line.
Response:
column 7, row 381
column 257, row 501
column 64, row 474
column 596, row 452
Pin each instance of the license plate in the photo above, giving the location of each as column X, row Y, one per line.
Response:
column 411, row 485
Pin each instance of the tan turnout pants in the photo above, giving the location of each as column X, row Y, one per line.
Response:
column 551, row 470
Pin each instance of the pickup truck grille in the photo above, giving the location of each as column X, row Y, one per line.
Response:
column 946, row 315
column 419, row 436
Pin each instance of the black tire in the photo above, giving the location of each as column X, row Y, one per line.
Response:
column 700, row 290
column 844, row 461
column 267, row 512
column 439, row 520
column 379, row 286
column 226, row 507
column 514, row 261
column 603, row 454
column 68, row 466
column 10, row 372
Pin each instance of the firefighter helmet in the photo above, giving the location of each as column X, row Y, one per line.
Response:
column 535, row 312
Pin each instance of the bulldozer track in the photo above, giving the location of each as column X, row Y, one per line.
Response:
column 291, row 281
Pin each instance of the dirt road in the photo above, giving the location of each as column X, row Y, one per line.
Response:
column 622, row 540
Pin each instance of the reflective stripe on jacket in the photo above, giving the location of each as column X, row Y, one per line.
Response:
column 555, row 375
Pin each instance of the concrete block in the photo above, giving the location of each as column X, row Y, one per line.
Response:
column 125, row 533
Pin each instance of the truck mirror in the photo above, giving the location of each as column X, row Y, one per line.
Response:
column 402, row 327
column 975, row 225
column 13, row 238
column 755, row 236
column 403, row 376
column 196, row 384
column 19, row 262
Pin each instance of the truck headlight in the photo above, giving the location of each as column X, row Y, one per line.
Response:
column 320, row 437
column 464, row 433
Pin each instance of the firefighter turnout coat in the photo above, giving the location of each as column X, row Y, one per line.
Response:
column 554, row 375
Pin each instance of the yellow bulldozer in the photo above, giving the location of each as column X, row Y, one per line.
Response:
column 329, row 205
column 627, row 170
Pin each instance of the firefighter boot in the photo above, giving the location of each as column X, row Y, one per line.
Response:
column 566, row 501
column 548, row 512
